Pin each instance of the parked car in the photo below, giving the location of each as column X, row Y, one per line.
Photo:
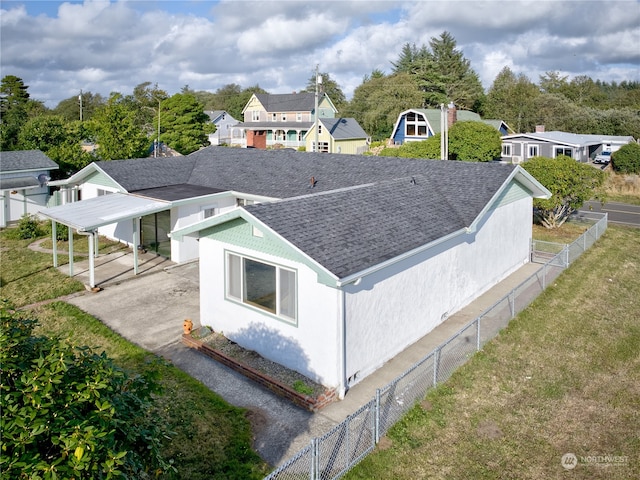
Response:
column 603, row 158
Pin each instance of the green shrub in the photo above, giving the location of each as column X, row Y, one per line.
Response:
column 627, row 159
column 389, row 152
column 62, row 231
column 28, row 227
column 68, row 412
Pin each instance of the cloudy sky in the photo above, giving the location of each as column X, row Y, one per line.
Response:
column 60, row 48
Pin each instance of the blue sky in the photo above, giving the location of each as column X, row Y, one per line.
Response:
column 60, row 48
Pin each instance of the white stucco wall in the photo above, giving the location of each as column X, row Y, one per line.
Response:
column 393, row 308
column 311, row 347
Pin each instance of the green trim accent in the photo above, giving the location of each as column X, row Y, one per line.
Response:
column 101, row 179
column 239, row 233
column 514, row 192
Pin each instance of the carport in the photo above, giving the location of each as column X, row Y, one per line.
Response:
column 86, row 216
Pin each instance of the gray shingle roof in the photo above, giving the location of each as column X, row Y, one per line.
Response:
column 361, row 211
column 287, row 102
column 344, row 128
column 20, row 160
column 145, row 173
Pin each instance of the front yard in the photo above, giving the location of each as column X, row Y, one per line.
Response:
column 563, row 378
column 212, row 438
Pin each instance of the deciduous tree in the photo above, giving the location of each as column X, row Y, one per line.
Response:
column 571, row 184
column 474, row 142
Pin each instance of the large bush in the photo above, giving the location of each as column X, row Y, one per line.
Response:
column 571, row 184
column 626, row 159
column 474, row 142
column 68, row 412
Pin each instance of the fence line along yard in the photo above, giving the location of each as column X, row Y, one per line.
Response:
column 335, row 453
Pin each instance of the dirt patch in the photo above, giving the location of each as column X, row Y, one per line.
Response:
column 258, row 420
column 490, row 430
column 385, row 443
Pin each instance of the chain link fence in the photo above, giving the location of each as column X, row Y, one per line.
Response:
column 335, row 453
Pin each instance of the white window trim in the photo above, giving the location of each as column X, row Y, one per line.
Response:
column 240, row 300
column 507, row 149
column 299, row 117
column 531, row 149
column 255, row 116
column 204, row 209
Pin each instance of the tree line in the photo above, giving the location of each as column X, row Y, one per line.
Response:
column 426, row 76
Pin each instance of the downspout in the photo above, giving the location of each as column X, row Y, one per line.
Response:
column 343, row 344
column 54, row 242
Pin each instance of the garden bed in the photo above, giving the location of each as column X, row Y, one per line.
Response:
column 283, row 381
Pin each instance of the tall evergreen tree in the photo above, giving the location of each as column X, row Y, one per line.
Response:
column 14, row 100
column 183, row 123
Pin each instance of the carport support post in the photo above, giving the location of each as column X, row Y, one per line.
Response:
column 70, row 235
column 92, row 279
column 54, row 237
column 135, row 245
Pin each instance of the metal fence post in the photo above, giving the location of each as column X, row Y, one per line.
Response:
column 566, row 256
column 436, row 361
column 315, row 460
column 377, row 417
column 512, row 303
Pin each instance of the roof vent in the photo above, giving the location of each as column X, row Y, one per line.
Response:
column 413, row 181
column 43, row 179
column 312, row 182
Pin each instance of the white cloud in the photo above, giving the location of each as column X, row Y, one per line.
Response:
column 102, row 46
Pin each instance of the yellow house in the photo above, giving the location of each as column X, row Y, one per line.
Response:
column 280, row 120
column 338, row 135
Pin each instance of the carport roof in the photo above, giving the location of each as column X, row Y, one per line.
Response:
column 88, row 215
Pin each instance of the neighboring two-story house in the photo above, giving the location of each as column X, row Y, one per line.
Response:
column 280, row 119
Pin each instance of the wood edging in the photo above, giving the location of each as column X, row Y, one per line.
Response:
column 305, row 401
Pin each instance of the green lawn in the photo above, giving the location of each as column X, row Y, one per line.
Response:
column 212, row 438
column 563, row 377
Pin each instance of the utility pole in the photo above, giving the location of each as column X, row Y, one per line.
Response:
column 317, row 123
column 443, row 132
column 80, row 98
column 158, row 140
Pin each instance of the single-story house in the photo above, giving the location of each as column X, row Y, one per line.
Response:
column 328, row 264
column 24, row 177
column 519, row 147
column 223, row 122
column 338, row 135
column 418, row 124
column 355, row 258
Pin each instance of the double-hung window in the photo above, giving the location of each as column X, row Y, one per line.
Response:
column 533, row 151
column 265, row 286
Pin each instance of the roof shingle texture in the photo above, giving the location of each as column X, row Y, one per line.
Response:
column 362, row 210
column 287, row 102
column 16, row 160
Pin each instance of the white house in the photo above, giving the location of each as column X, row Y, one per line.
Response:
column 24, row 177
column 359, row 258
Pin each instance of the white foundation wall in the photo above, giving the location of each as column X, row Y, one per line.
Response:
column 393, row 308
column 311, row 347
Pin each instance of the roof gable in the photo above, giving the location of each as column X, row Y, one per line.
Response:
column 25, row 160
column 343, row 128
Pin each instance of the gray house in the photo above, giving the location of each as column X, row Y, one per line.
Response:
column 223, row 122
column 24, row 177
column 583, row 148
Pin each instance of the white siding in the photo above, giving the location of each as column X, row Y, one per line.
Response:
column 393, row 308
column 311, row 347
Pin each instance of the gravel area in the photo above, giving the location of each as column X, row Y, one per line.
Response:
column 282, row 374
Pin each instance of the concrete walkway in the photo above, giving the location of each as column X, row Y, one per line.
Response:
column 149, row 309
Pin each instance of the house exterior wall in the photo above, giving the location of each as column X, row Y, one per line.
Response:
column 311, row 346
column 409, row 299
column 355, row 146
column 25, row 201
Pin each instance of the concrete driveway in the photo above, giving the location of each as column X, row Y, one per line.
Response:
column 149, row 310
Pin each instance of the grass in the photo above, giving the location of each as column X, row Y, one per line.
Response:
column 623, row 188
column 567, row 233
column 212, row 438
column 563, row 377
column 28, row 277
